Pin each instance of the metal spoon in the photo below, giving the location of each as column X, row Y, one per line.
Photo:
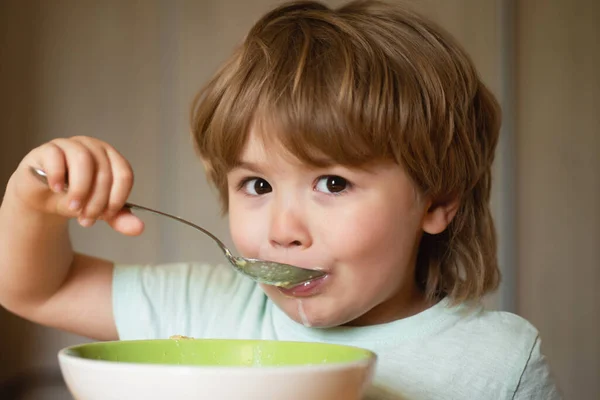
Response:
column 269, row 272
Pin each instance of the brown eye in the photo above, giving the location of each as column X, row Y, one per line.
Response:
column 332, row 184
column 257, row 187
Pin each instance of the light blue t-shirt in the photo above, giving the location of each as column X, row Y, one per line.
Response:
column 462, row 352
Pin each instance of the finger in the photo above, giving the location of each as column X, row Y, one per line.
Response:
column 126, row 223
column 52, row 161
column 122, row 181
column 97, row 200
column 80, row 171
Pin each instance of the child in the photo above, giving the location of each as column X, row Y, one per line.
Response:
column 357, row 140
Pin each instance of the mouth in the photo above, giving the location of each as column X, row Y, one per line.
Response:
column 310, row 288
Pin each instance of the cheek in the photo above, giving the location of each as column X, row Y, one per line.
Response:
column 382, row 238
column 246, row 229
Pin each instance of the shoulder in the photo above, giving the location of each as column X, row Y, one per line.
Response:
column 506, row 348
column 502, row 328
column 153, row 301
column 502, row 336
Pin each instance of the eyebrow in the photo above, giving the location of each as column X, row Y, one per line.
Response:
column 250, row 166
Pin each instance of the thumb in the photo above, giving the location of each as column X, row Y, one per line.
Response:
column 126, row 223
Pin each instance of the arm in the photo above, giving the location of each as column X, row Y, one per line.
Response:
column 41, row 278
column 536, row 380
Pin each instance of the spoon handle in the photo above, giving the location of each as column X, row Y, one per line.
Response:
column 41, row 175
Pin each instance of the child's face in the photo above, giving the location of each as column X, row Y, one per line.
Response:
column 362, row 227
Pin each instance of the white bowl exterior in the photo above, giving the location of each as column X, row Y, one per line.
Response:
column 101, row 380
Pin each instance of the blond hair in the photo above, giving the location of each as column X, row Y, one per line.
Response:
column 367, row 81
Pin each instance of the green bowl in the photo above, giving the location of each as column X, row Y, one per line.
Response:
column 216, row 369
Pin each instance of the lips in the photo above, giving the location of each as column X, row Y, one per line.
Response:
column 306, row 289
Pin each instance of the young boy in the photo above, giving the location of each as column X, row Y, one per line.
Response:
column 357, row 140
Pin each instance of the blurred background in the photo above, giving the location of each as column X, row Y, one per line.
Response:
column 125, row 71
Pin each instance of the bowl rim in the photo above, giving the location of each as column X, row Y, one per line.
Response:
column 65, row 357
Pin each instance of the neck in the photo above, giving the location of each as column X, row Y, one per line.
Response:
column 406, row 302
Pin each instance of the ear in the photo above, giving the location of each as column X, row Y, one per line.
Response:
column 439, row 215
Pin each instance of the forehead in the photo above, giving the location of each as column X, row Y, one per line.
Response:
column 264, row 144
column 263, row 150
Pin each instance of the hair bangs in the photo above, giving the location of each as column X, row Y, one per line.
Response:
column 298, row 83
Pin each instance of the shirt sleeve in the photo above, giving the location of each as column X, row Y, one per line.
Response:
column 196, row 300
column 536, row 381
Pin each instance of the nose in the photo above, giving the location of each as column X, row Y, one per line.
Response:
column 288, row 228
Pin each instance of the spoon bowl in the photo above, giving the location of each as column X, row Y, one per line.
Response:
column 261, row 271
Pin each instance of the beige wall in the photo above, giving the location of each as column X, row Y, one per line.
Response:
column 558, row 142
column 125, row 71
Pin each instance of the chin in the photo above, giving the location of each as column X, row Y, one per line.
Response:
column 306, row 315
column 318, row 311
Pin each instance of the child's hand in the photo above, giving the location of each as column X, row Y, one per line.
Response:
column 99, row 183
